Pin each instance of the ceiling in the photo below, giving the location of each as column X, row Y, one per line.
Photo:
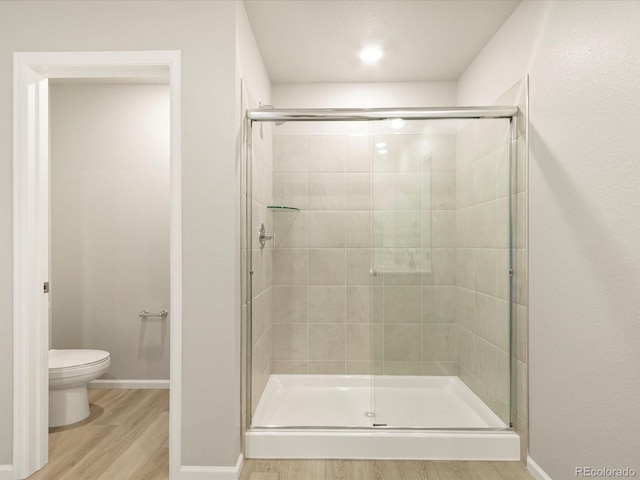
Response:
column 309, row 41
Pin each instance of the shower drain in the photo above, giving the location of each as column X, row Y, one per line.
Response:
column 370, row 414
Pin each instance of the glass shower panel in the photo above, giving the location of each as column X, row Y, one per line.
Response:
column 310, row 317
column 440, row 273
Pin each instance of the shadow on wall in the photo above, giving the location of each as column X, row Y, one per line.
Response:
column 591, row 232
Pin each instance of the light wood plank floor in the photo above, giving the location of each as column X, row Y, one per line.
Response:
column 381, row 470
column 126, row 437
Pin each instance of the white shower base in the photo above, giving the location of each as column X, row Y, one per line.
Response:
column 316, row 408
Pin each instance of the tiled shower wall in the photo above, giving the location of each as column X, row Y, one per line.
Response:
column 414, row 255
column 321, row 308
column 482, row 306
column 517, row 95
column 261, row 261
column 482, row 311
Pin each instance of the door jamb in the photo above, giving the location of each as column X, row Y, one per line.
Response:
column 30, row 336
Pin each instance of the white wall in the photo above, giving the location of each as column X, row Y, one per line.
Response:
column 364, row 95
column 205, row 33
column 256, row 89
column 584, row 61
column 110, row 223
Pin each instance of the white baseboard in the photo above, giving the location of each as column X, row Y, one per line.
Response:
column 6, row 472
column 134, row 384
column 212, row 473
column 536, row 471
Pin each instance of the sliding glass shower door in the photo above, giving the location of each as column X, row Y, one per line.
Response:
column 378, row 272
column 440, row 276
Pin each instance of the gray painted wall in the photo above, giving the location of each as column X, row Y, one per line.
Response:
column 205, row 32
column 110, row 223
column 584, row 230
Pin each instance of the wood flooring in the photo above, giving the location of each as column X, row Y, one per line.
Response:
column 381, row 470
column 126, row 437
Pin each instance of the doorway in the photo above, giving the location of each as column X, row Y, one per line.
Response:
column 32, row 72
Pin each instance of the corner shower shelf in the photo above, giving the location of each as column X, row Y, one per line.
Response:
column 282, row 208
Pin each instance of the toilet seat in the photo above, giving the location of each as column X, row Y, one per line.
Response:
column 71, row 363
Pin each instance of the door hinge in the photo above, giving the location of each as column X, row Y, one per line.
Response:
column 46, row 287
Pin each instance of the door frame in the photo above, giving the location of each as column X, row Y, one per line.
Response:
column 30, row 239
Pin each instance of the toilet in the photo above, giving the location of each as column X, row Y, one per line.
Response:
column 69, row 373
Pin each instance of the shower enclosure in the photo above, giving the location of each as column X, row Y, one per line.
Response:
column 378, row 286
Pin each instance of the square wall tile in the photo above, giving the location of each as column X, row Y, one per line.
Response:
column 359, row 337
column 358, row 191
column 465, row 268
column 290, row 229
column 439, row 342
column 358, row 153
column 522, row 399
column 290, row 153
column 358, row 264
column 290, row 341
column 484, row 270
column 327, row 266
column 502, row 273
column 465, row 351
column 360, row 368
column 503, row 172
column 327, row 304
column 443, row 191
column 444, row 266
column 327, row 368
column 358, row 226
column 464, row 146
column 503, row 378
column 397, row 191
column 439, row 304
column 290, row 266
column 485, row 364
column 443, row 152
column 402, row 343
column 522, row 332
column 326, row 342
column 465, row 308
column 289, row 304
column 440, row 368
column 290, row 189
column 402, row 229
column 290, row 366
column 403, row 153
column 464, row 187
column 484, row 227
column 484, row 179
column 501, row 239
column 401, row 368
column 358, row 304
column 402, row 304
column 464, row 228
column 327, row 191
column 443, row 229
column 327, row 153
column 327, row 229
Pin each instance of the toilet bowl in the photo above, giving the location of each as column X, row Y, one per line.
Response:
column 69, row 373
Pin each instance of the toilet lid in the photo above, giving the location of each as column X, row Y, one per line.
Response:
column 75, row 358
